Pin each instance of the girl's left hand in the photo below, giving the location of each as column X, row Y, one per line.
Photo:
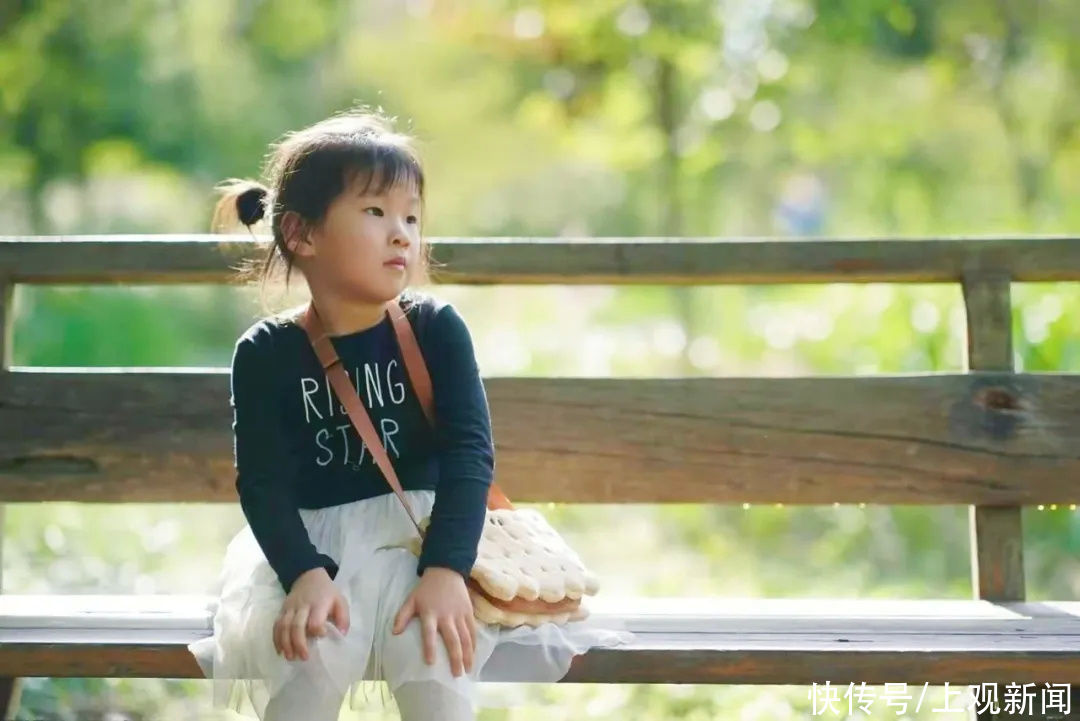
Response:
column 441, row 601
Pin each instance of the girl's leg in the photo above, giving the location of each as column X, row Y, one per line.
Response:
column 431, row 701
column 422, row 698
column 309, row 695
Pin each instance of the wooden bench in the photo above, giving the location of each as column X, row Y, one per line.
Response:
column 989, row 438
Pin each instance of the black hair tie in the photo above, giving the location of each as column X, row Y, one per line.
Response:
column 250, row 207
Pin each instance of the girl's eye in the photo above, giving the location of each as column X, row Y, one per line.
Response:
column 378, row 211
column 412, row 219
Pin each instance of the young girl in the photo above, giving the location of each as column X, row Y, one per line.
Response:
column 318, row 591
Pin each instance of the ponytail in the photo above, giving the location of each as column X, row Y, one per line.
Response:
column 242, row 202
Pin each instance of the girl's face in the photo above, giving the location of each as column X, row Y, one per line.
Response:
column 349, row 253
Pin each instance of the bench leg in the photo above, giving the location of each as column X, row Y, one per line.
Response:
column 10, row 690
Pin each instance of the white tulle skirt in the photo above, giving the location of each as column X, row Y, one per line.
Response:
column 376, row 574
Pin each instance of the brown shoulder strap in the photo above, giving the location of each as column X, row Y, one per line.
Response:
column 421, row 380
column 346, row 393
column 414, row 359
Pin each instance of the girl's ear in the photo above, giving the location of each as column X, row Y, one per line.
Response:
column 297, row 234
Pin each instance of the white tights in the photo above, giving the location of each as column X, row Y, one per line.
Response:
column 311, row 696
column 431, row 701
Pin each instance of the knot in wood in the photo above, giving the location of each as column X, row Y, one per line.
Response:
column 997, row 399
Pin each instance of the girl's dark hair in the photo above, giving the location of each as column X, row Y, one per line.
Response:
column 306, row 170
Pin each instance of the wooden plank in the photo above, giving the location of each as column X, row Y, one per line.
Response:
column 663, row 614
column 10, row 687
column 656, row 658
column 988, row 306
column 686, row 614
column 208, row 258
column 997, row 543
column 7, row 337
column 7, row 321
column 997, row 552
column 10, row 695
column 677, row 640
column 701, row 659
column 997, row 540
column 981, row 438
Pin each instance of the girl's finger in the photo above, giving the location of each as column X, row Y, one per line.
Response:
column 465, row 630
column 471, row 621
column 340, row 613
column 298, row 630
column 281, row 636
column 430, row 627
column 316, row 621
column 468, row 643
column 448, row 629
column 404, row 613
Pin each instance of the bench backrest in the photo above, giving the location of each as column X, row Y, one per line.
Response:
column 988, row 437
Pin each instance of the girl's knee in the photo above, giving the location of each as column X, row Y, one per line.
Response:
column 308, row 695
column 407, row 648
column 432, row 701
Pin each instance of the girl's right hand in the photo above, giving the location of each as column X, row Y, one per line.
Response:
column 312, row 599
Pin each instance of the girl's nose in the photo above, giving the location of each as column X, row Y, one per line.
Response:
column 400, row 236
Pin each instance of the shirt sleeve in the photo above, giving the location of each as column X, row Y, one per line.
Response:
column 265, row 467
column 464, row 446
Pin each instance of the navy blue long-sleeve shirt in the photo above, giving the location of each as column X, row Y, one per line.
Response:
column 295, row 446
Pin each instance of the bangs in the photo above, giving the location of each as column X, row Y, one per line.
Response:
column 373, row 169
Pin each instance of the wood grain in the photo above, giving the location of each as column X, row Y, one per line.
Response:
column 997, row 539
column 7, row 321
column 10, row 687
column 208, row 258
column 988, row 306
column 984, row 438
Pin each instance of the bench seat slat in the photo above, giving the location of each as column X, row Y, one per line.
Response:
column 679, row 640
column 641, row 613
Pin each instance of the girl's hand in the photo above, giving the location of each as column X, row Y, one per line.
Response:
column 441, row 601
column 312, row 598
